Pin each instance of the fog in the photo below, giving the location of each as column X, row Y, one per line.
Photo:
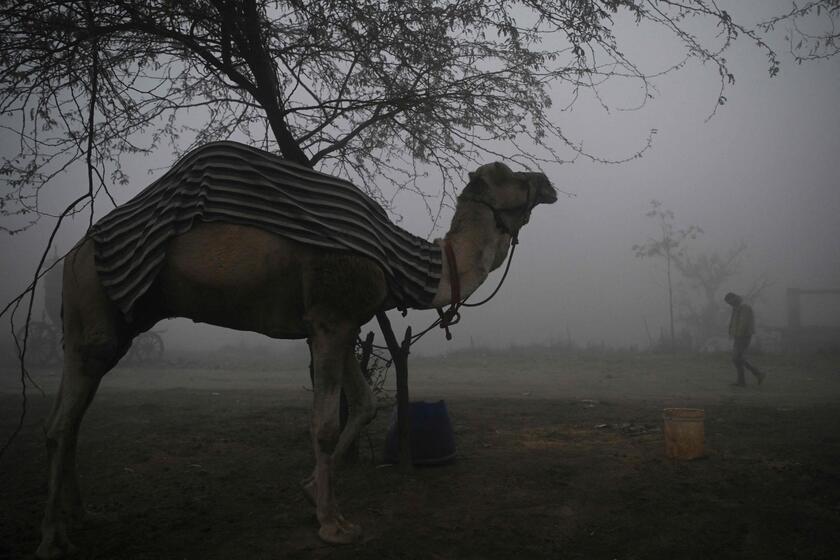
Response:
column 763, row 171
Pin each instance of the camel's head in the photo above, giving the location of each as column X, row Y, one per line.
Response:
column 510, row 194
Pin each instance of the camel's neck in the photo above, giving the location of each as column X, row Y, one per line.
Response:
column 479, row 248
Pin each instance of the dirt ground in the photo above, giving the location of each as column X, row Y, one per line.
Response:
column 560, row 455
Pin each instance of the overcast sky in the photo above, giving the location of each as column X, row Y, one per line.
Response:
column 764, row 171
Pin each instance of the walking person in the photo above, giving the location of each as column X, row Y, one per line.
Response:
column 741, row 329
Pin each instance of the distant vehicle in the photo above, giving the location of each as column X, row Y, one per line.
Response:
column 147, row 348
column 43, row 346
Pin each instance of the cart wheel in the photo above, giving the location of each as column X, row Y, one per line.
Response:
column 147, row 348
column 41, row 345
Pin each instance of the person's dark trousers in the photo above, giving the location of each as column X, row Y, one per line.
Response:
column 739, row 350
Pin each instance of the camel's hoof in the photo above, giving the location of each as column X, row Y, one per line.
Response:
column 49, row 550
column 340, row 532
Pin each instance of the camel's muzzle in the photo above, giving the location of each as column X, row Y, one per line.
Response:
column 544, row 193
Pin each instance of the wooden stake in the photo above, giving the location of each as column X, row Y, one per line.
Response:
column 399, row 354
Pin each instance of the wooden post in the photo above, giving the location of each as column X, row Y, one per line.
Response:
column 367, row 351
column 403, row 418
column 399, row 354
column 311, row 364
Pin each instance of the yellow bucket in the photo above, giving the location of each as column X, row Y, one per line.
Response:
column 683, row 432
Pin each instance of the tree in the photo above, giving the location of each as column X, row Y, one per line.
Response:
column 669, row 246
column 366, row 89
column 708, row 274
column 809, row 36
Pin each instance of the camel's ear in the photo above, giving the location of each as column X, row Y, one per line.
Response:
column 501, row 172
column 478, row 189
column 501, row 168
column 496, row 173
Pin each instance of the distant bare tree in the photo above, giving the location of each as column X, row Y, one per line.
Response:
column 707, row 274
column 811, row 29
column 670, row 246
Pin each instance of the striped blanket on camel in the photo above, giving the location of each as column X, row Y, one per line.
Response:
column 234, row 183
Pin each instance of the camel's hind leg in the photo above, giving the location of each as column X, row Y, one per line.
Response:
column 92, row 346
column 64, row 503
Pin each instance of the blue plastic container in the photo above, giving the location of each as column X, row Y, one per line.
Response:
column 432, row 438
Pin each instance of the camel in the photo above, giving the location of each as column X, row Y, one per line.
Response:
column 280, row 288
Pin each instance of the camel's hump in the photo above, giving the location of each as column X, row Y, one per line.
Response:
column 234, row 183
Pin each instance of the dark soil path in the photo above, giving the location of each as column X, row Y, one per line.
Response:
column 211, row 472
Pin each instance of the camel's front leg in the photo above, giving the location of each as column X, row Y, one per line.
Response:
column 362, row 407
column 329, row 348
column 360, row 401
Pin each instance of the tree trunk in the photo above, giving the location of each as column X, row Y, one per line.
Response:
column 267, row 84
column 288, row 145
